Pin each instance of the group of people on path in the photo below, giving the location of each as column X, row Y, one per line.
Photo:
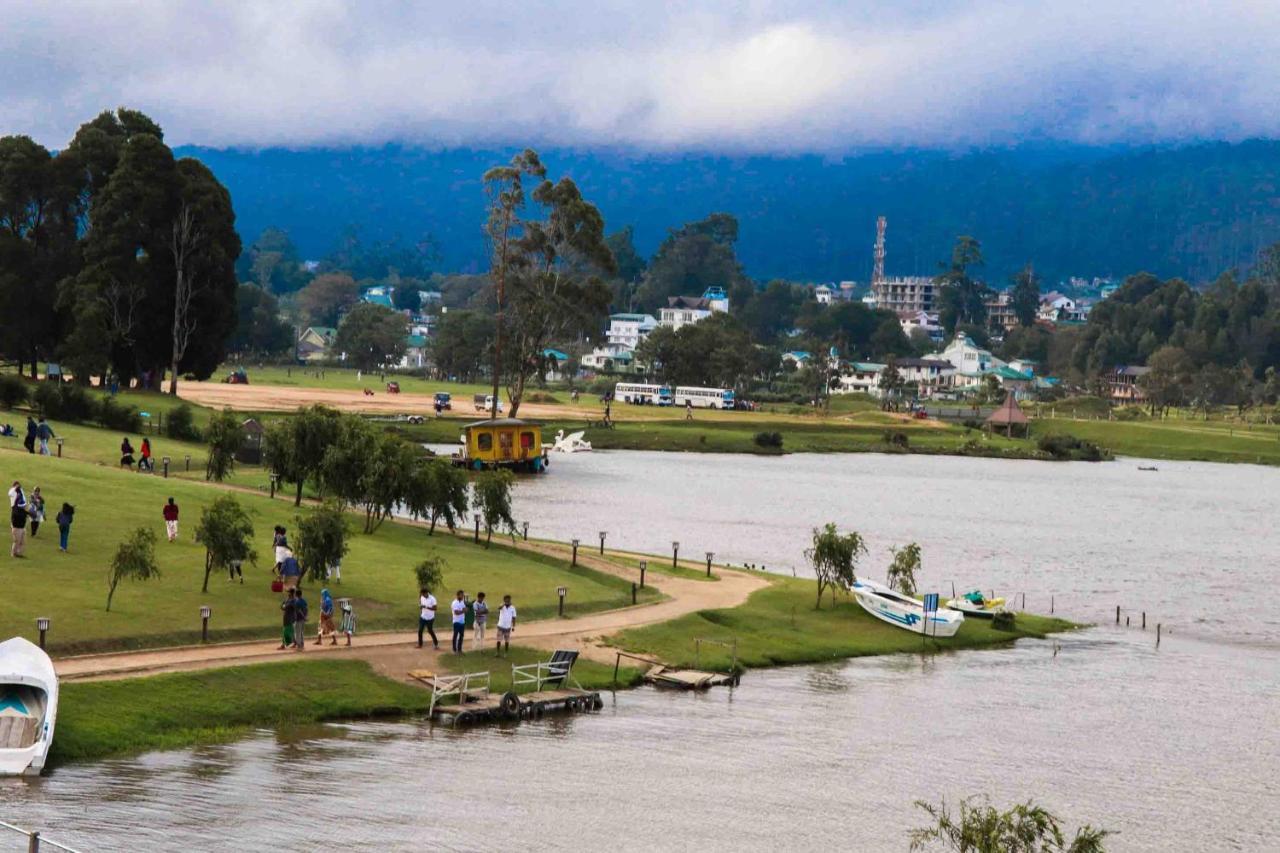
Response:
column 295, row 612
column 29, row 509
column 38, row 435
column 427, row 606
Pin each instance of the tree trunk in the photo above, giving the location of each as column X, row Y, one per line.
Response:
column 111, row 591
column 208, row 567
column 297, row 500
column 432, row 529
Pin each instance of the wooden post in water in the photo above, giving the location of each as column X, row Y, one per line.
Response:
column 1024, row 602
column 1144, row 620
column 1117, row 614
column 633, row 592
column 33, row 843
column 1051, row 605
column 1158, row 626
column 1126, row 621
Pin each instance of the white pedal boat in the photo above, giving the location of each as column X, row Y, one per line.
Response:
column 28, row 707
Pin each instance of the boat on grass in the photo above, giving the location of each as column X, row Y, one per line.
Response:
column 28, row 707
column 905, row 612
column 974, row 603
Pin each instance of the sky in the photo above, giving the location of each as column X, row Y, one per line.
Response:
column 761, row 77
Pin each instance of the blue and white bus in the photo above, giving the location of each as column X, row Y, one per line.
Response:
column 704, row 398
column 638, row 394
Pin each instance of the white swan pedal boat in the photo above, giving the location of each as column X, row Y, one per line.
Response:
column 28, row 707
column 905, row 612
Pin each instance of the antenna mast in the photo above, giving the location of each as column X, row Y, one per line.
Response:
column 877, row 274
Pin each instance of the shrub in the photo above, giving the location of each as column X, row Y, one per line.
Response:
column 430, row 573
column 64, row 402
column 972, row 423
column 1070, row 447
column 13, row 390
column 181, row 424
column 540, row 397
column 769, row 440
column 1003, row 620
column 114, row 416
column 1129, row 413
column 896, row 438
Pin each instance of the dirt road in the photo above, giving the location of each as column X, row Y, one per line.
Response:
column 394, row 653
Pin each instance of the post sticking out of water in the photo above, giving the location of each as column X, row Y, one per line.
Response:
column 1144, row 620
column 953, row 589
column 1158, row 626
column 1117, row 614
column 1024, row 602
column 1126, row 621
column 675, row 554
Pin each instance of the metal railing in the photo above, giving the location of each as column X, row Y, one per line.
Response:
column 35, row 841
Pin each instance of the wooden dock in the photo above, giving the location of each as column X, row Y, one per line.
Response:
column 551, row 692
column 689, row 679
column 520, row 706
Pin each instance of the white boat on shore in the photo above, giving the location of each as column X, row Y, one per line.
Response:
column 976, row 604
column 905, row 612
column 28, row 707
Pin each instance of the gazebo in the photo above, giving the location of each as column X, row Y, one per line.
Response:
column 1008, row 416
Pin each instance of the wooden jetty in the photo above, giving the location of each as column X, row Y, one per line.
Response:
column 689, row 679
column 554, row 690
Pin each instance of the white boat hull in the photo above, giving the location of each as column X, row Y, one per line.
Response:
column 905, row 613
column 28, row 707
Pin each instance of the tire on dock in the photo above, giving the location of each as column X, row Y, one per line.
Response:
column 510, row 707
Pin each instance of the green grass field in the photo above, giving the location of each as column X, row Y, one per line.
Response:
column 1206, row 441
column 779, row 625
column 377, row 573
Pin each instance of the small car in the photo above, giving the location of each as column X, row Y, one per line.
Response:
column 444, row 400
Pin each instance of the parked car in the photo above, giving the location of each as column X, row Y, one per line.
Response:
column 484, row 403
column 444, row 400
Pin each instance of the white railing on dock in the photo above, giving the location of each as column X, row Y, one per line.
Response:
column 35, row 841
column 539, row 673
column 473, row 685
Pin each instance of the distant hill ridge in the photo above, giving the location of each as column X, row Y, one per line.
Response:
column 1191, row 211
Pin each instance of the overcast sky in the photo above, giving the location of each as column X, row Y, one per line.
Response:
column 756, row 76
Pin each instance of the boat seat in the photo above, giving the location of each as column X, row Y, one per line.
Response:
column 17, row 732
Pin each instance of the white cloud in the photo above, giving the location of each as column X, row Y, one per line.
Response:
column 754, row 76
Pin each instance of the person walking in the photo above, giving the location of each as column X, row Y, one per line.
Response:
column 506, row 623
column 427, row 616
column 144, row 463
column 326, row 619
column 35, row 509
column 171, row 520
column 44, row 432
column 32, row 430
column 459, row 609
column 126, row 454
column 286, row 608
column 299, row 620
column 17, row 520
column 64, row 519
column 290, row 571
column 348, row 619
column 280, row 544
column 479, row 617
column 688, row 410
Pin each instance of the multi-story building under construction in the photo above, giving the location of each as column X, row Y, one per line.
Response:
column 907, row 296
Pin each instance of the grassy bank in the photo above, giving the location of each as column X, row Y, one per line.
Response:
column 377, row 573
column 779, row 625
column 106, row 719
column 1203, row 441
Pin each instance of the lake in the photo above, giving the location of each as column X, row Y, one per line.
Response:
column 1173, row 748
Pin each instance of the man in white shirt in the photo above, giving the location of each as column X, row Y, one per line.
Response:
column 459, row 609
column 506, row 623
column 427, row 616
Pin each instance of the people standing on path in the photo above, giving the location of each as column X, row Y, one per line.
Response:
column 427, row 616
column 44, row 432
column 35, row 509
column 479, row 617
column 299, row 620
column 64, row 519
column 126, row 454
column 459, row 609
column 171, row 520
column 286, row 608
column 32, row 430
column 506, row 624
column 326, row 619
column 144, row 463
column 17, row 520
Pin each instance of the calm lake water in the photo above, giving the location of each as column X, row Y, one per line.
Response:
column 1174, row 748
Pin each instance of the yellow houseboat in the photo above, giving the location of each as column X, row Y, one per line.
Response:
column 503, row 443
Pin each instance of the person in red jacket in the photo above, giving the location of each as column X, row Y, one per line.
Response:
column 171, row 520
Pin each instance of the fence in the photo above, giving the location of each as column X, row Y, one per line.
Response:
column 35, row 841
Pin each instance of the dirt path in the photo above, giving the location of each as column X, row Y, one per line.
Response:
column 393, row 653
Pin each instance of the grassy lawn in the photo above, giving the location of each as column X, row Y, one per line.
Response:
column 377, row 572
column 345, row 379
column 1212, row 441
column 778, row 625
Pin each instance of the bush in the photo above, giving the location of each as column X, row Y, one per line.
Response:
column 114, row 416
column 972, row 423
column 1130, row 413
column 540, row 397
column 769, row 440
column 1003, row 620
column 896, row 438
column 1070, row 447
column 13, row 390
column 64, row 402
column 181, row 424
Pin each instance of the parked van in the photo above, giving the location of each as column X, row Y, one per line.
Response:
column 484, row 403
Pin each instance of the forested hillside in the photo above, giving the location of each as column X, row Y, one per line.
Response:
column 1189, row 212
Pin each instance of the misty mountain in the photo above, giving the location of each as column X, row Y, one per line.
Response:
column 1191, row 211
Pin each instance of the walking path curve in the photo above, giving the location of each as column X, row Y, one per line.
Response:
column 393, row 653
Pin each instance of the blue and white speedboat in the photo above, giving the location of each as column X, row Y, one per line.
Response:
column 28, row 707
column 905, row 612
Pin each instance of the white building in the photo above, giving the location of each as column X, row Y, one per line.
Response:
column 926, row 375
column 859, row 377
column 683, row 310
column 967, row 357
column 824, row 294
column 905, row 295
column 628, row 330
column 926, row 322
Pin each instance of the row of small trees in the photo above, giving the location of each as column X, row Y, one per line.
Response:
column 835, row 555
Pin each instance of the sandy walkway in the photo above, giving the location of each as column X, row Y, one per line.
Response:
column 394, row 653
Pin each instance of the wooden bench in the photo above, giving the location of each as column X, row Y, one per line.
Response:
column 18, row 732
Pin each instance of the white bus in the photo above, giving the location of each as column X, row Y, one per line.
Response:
column 657, row 395
column 704, row 398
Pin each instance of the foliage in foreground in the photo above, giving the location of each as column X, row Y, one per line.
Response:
column 981, row 828
column 834, row 558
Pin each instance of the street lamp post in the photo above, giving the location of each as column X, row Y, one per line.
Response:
column 526, row 531
column 710, row 556
column 42, row 625
column 164, row 460
column 575, row 553
column 205, row 611
column 602, row 535
column 675, row 554
column 477, row 539
column 644, row 567
column 562, row 591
